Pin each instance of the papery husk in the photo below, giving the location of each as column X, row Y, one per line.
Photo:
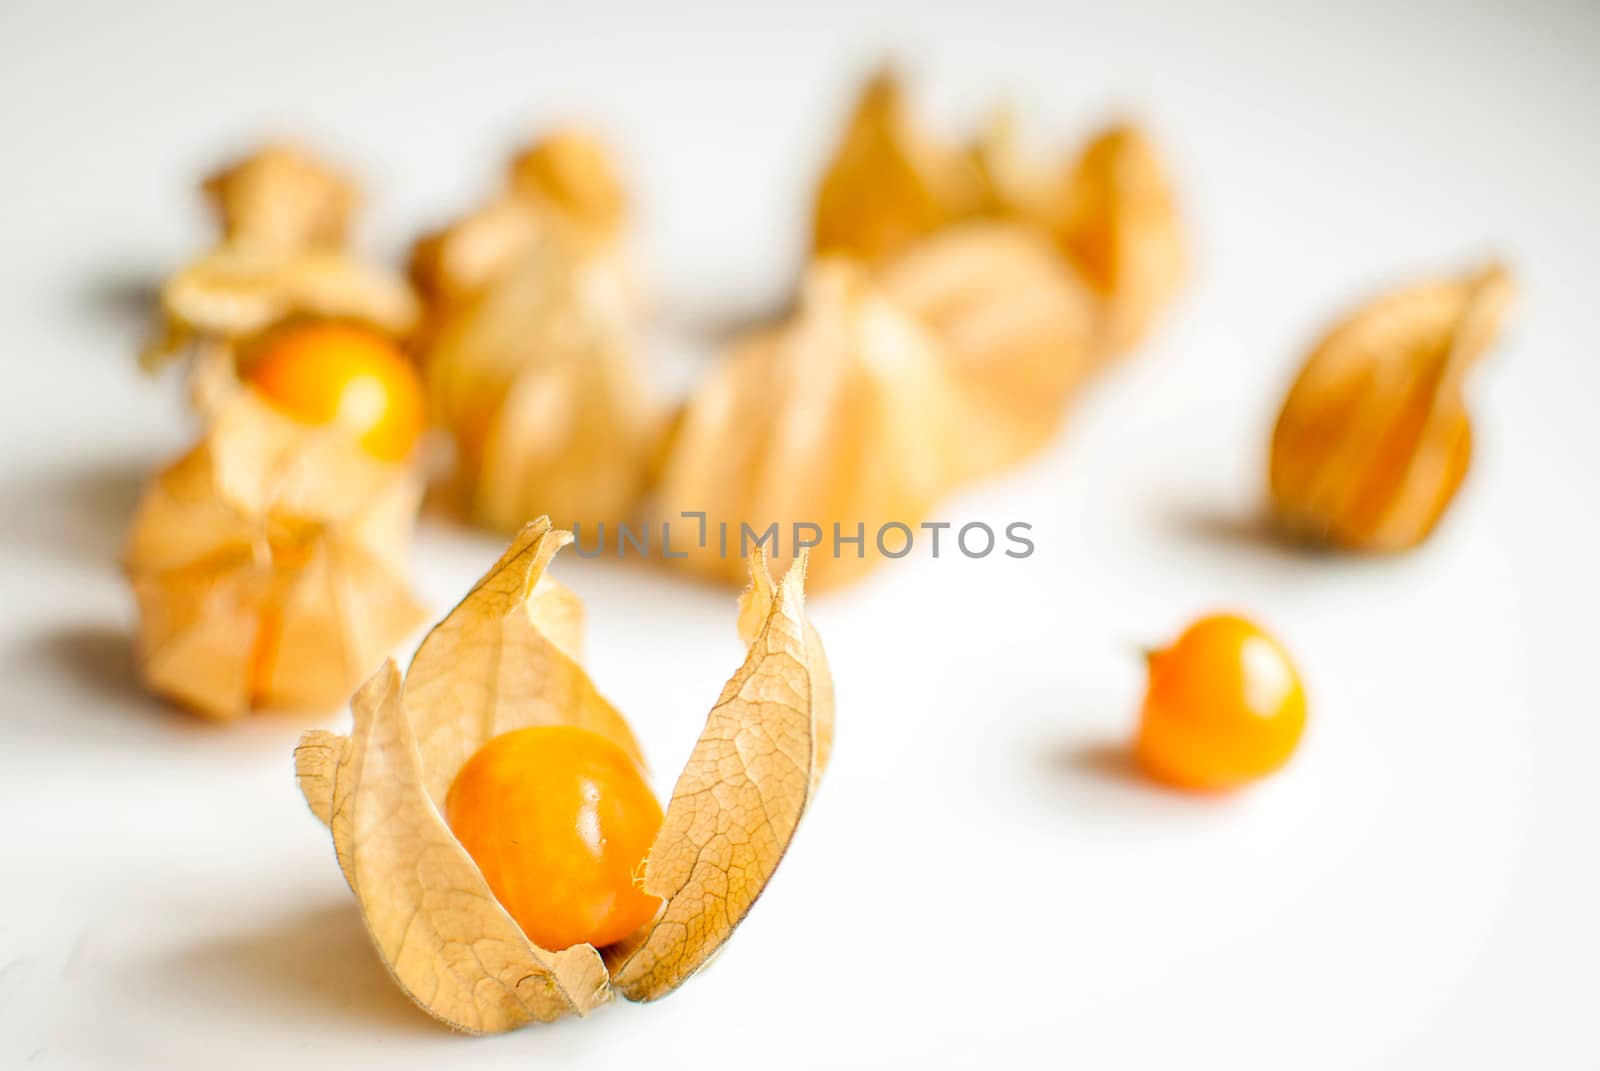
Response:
column 843, row 415
column 1374, row 438
column 285, row 218
column 1110, row 210
column 741, row 795
column 538, row 381
column 890, row 182
column 490, row 667
column 1116, row 219
column 283, row 198
column 1018, row 326
column 268, row 565
column 564, row 189
column 532, row 363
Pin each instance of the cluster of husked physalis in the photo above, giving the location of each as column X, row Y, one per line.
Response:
column 958, row 297
column 268, row 562
column 490, row 813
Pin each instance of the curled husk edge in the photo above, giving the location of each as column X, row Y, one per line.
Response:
column 505, row 659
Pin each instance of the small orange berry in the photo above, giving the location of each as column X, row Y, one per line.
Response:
column 559, row 820
column 326, row 372
column 1224, row 706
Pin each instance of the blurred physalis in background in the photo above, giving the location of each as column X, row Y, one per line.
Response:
column 1374, row 439
column 985, row 289
column 532, row 362
column 268, row 565
column 844, row 414
column 1109, row 211
column 283, row 257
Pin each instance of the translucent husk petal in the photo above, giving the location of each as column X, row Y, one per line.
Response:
column 285, row 217
column 1117, row 221
column 889, row 182
column 489, row 668
column 1018, row 326
column 843, row 415
column 444, row 938
column 431, row 915
column 268, row 565
column 1111, row 211
column 740, row 798
column 532, row 358
column 1374, row 439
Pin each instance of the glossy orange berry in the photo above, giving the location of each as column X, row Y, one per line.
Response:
column 1224, row 706
column 326, row 372
column 559, row 820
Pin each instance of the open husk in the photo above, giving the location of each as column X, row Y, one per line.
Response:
column 494, row 665
column 283, row 256
column 267, row 563
column 532, row 356
column 1374, row 438
column 843, row 416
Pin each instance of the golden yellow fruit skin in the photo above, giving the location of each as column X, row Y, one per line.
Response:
column 559, row 820
column 327, row 373
column 1224, row 707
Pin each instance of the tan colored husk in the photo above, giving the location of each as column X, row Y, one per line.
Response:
column 491, row 667
column 283, row 198
column 1018, row 326
column 843, row 415
column 531, row 358
column 1110, row 211
column 284, row 218
column 564, row 189
column 267, row 563
column 889, row 182
column 1374, row 438
column 1117, row 221
column 538, row 381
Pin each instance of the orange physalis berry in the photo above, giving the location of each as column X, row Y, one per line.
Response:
column 326, row 372
column 559, row 820
column 1223, row 707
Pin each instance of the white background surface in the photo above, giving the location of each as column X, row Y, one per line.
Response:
column 980, row 880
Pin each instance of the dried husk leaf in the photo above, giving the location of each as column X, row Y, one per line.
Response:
column 431, row 915
column 1117, row 221
column 285, row 217
column 538, row 380
column 268, row 563
column 574, row 173
column 283, row 198
column 1374, row 438
column 844, row 415
column 889, row 183
column 1018, row 327
column 444, row 938
column 490, row 668
column 741, row 795
column 1111, row 212
column 534, row 305
column 564, row 189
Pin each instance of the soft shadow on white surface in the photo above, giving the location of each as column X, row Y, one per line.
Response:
column 129, row 296
column 1101, row 775
column 94, row 662
column 310, row 967
column 78, row 512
